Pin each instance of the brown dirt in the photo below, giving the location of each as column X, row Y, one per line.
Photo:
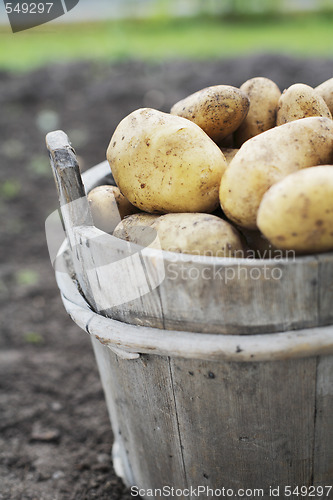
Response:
column 55, row 437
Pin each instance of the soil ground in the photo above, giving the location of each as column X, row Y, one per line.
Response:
column 55, row 436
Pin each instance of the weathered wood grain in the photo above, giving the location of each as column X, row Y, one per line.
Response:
column 66, row 170
column 323, row 450
column 246, row 424
column 239, row 295
column 144, row 418
column 73, row 202
column 325, row 289
column 118, row 276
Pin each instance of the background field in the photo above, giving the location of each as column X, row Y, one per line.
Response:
column 167, row 38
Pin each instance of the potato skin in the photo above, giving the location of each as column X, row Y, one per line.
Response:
column 108, row 206
column 300, row 101
column 325, row 90
column 190, row 233
column 264, row 95
column 269, row 157
column 164, row 163
column 137, row 229
column 218, row 110
column 297, row 212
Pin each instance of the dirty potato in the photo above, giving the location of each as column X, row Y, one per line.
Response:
column 297, row 212
column 164, row 163
column 264, row 95
column 218, row 110
column 191, row 233
column 108, row 206
column 137, row 229
column 300, row 101
column 269, row 157
column 325, row 90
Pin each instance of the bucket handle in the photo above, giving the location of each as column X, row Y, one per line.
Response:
column 74, row 205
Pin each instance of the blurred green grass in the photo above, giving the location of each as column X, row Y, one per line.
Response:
column 156, row 39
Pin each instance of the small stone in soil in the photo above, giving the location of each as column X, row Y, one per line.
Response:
column 47, row 436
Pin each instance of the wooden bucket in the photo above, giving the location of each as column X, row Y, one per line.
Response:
column 215, row 375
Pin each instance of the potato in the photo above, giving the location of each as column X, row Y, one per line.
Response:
column 137, row 229
column 269, row 157
column 199, row 234
column 297, row 212
column 264, row 95
column 191, row 233
column 164, row 163
column 300, row 101
column 108, row 206
column 229, row 153
column 325, row 90
column 218, row 110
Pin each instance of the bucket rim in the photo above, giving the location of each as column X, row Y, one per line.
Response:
column 130, row 341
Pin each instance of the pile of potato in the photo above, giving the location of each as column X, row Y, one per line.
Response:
column 227, row 171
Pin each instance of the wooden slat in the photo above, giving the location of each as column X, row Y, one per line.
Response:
column 139, row 395
column 72, row 198
column 239, row 295
column 325, row 289
column 107, row 362
column 323, row 451
column 246, row 424
column 118, row 275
